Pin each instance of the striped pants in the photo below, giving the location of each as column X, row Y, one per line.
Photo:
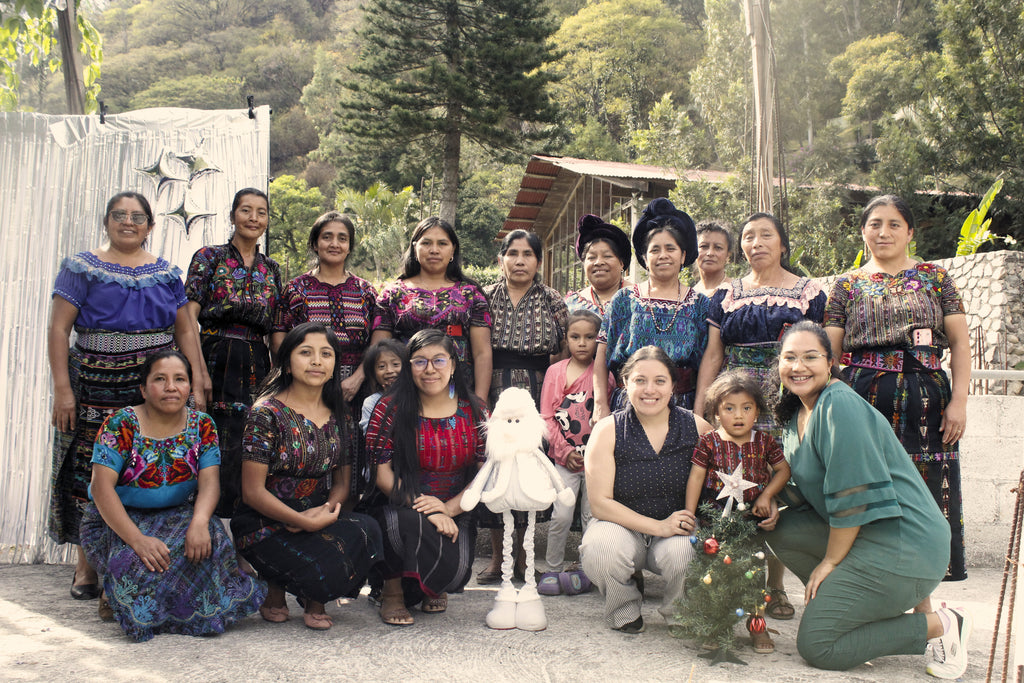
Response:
column 612, row 553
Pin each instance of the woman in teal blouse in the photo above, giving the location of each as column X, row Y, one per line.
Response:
column 866, row 537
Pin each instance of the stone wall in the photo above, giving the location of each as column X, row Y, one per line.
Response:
column 991, row 287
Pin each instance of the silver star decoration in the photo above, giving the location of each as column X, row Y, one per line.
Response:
column 186, row 216
column 733, row 486
column 197, row 166
column 163, row 171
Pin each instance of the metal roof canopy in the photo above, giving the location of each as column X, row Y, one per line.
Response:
column 549, row 183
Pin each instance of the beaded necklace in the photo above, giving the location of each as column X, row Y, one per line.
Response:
column 650, row 309
column 596, row 300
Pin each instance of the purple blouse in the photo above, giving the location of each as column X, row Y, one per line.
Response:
column 120, row 298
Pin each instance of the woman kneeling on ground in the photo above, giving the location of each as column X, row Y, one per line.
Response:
column 637, row 464
column 296, row 476
column 167, row 563
column 862, row 531
column 426, row 439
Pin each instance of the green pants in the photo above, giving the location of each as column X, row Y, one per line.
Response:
column 859, row 610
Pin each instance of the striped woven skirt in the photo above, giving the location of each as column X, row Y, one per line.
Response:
column 314, row 565
column 913, row 403
column 104, row 370
column 189, row 598
column 428, row 563
column 237, row 366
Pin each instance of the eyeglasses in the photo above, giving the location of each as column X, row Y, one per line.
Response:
column 806, row 359
column 137, row 218
column 438, row 363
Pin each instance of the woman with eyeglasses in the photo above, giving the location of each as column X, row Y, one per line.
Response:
column 426, row 440
column 232, row 291
column 861, row 530
column 124, row 303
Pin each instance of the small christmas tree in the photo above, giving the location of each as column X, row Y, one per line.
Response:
column 724, row 583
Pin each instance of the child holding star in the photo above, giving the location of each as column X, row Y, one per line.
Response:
column 735, row 400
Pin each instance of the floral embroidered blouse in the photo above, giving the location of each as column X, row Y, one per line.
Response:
column 298, row 454
column 882, row 310
column 155, row 473
column 231, row 295
column 404, row 310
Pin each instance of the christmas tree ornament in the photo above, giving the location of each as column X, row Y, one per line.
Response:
column 693, row 540
column 759, row 555
column 707, row 579
column 741, row 506
column 733, row 486
column 756, row 624
column 740, row 612
column 749, row 575
column 727, row 560
column 711, row 546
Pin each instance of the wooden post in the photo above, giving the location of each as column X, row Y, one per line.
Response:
column 71, row 62
column 759, row 31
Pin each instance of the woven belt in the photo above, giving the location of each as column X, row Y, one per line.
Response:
column 505, row 360
column 917, row 359
column 105, row 341
column 234, row 332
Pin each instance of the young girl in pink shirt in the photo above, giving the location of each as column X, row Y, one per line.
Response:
column 567, row 406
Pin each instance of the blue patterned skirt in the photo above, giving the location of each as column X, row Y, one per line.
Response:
column 188, row 598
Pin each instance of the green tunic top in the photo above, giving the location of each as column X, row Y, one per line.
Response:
column 852, row 470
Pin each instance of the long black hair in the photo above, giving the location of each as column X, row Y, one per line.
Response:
column 411, row 266
column 280, row 378
column 374, row 352
column 532, row 241
column 788, row 403
column 404, row 406
column 128, row 194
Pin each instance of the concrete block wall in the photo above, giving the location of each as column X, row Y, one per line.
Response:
column 992, row 457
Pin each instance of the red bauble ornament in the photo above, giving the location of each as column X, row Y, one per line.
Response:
column 727, row 560
column 710, row 546
column 756, row 624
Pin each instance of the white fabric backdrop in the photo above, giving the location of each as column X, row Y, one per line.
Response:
column 56, row 175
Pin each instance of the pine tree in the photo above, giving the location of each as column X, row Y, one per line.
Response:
column 724, row 582
column 434, row 72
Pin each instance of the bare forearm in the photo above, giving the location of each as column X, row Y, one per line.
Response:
column 840, row 540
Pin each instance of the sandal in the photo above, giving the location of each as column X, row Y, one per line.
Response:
column 394, row 613
column 275, row 615
column 549, row 584
column 488, row 576
column 574, row 583
column 317, row 621
column 779, row 607
column 762, row 642
column 435, row 605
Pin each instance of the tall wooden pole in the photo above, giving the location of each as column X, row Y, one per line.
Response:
column 759, row 30
column 71, row 62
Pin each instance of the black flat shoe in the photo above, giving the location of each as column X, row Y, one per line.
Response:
column 87, row 591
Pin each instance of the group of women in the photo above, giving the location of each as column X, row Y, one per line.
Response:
column 292, row 465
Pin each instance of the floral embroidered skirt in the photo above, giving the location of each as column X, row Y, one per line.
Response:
column 188, row 598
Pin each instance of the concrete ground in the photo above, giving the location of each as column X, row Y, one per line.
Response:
column 45, row 635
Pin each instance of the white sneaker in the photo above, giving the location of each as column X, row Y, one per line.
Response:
column 949, row 651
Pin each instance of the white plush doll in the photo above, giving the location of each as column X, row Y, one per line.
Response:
column 516, row 476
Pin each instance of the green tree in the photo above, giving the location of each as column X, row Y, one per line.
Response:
column 195, row 91
column 294, row 207
column 621, row 56
column 441, row 71
column 672, row 139
column 35, row 32
column 382, row 218
column 720, row 83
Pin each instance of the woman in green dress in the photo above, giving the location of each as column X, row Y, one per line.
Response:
column 862, row 531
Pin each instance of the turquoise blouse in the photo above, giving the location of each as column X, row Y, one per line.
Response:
column 852, row 470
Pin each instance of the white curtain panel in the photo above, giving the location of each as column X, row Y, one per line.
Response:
column 56, row 175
